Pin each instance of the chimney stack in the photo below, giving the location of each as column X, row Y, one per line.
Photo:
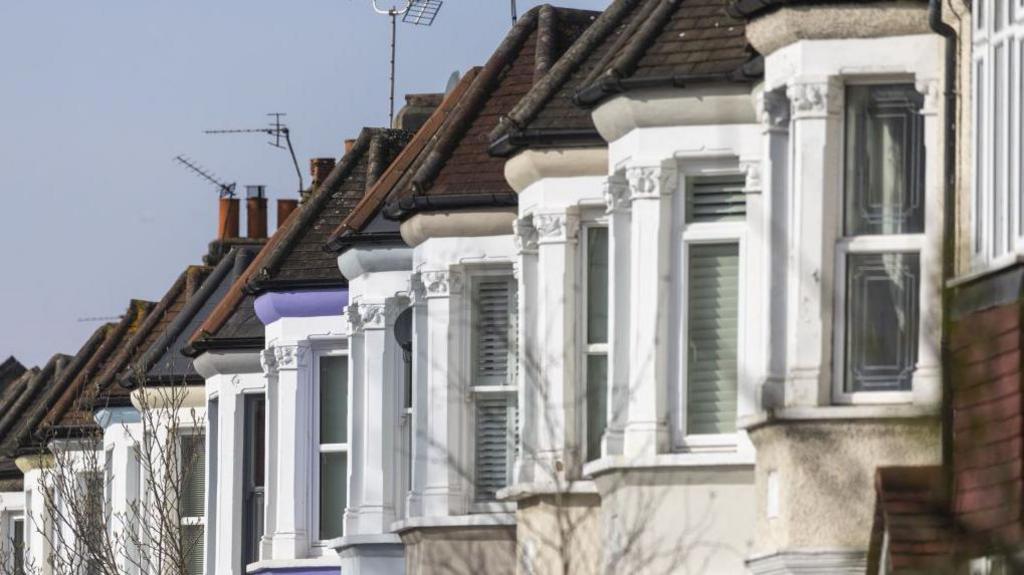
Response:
column 416, row 111
column 227, row 227
column 318, row 170
column 285, row 207
column 256, row 211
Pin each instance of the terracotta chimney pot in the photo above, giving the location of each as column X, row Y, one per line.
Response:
column 227, row 226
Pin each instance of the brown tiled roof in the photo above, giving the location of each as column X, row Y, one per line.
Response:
column 299, row 260
column 912, row 511
column 18, row 427
column 670, row 43
column 458, row 171
column 366, row 218
column 73, row 408
column 294, row 257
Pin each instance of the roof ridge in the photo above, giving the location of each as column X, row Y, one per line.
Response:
column 548, row 86
column 376, row 196
column 608, row 65
column 467, row 108
column 192, row 306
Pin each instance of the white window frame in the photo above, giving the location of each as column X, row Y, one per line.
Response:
column 706, row 233
column 591, row 219
column 871, row 244
column 473, row 274
column 10, row 519
column 984, row 203
column 192, row 521
column 319, row 448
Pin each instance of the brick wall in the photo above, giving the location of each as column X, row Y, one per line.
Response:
column 988, row 420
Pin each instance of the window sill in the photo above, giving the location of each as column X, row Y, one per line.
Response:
column 693, row 460
column 839, row 413
column 470, row 520
column 342, row 543
column 326, row 561
column 522, row 491
column 990, row 269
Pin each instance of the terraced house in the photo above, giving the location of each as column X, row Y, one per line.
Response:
column 677, row 286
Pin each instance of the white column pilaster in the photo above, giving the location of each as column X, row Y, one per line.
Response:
column 375, row 365
column 927, row 386
column 651, row 188
column 420, row 420
column 291, row 414
column 531, row 350
column 556, row 391
column 619, row 237
column 775, row 117
column 817, row 193
column 445, row 469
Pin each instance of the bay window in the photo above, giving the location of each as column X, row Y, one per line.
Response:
column 192, row 502
column 878, row 263
column 332, row 412
column 492, row 381
column 998, row 218
column 595, row 333
column 715, row 220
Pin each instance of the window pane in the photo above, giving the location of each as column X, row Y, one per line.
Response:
column 193, row 475
column 334, row 399
column 253, row 480
column 18, row 549
column 884, row 160
column 493, row 305
column 597, row 285
column 597, row 403
column 495, row 435
column 712, row 312
column 333, row 494
column 881, row 321
column 1000, row 207
column 980, row 138
column 192, row 547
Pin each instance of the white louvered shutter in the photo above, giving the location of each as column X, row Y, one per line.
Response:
column 712, row 338
column 716, row 199
column 192, row 504
column 495, row 419
column 494, row 302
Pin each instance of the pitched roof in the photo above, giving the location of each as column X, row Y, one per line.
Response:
column 10, row 475
column 365, row 220
column 70, row 409
column 294, row 257
column 299, row 260
column 665, row 43
column 10, row 370
column 912, row 511
column 458, row 171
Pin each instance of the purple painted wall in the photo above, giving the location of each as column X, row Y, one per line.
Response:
column 272, row 306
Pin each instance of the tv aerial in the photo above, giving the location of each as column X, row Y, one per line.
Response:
column 514, row 13
column 226, row 190
column 278, row 133
column 415, row 12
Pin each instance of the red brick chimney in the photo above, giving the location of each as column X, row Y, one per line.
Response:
column 227, row 226
column 256, row 211
column 285, row 207
column 318, row 170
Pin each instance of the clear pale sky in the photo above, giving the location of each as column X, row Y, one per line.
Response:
column 97, row 97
